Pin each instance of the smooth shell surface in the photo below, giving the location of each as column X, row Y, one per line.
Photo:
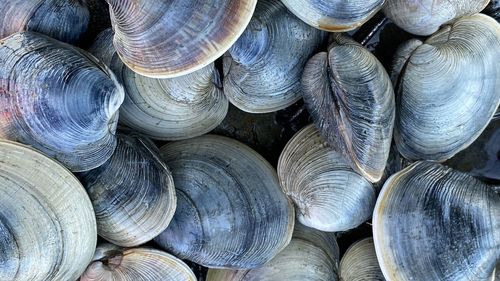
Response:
column 65, row 21
column 135, row 264
column 133, row 193
column 311, row 255
column 231, row 212
column 166, row 109
column 448, row 89
column 351, row 100
column 58, row 99
column 263, row 69
column 165, row 39
column 328, row 195
column 47, row 225
column 334, row 15
column 424, row 17
column 360, row 263
column 434, row 223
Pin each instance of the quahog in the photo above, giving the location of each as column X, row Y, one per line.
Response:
column 231, row 212
column 58, row 99
column 360, row 263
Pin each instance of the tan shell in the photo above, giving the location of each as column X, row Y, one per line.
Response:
column 165, row 39
column 360, row 263
column 47, row 224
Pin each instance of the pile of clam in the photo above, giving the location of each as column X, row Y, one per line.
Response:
column 131, row 140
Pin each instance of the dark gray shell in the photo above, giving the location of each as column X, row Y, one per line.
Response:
column 334, row 15
column 132, row 193
column 434, row 223
column 448, row 88
column 262, row 73
column 231, row 212
column 64, row 20
column 351, row 100
column 58, row 99
column 170, row 108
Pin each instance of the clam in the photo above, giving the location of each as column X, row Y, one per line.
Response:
column 311, row 255
column 434, row 223
column 65, row 21
column 165, row 109
column 231, row 212
column 47, row 225
column 328, row 195
column 58, row 99
column 263, row 68
column 360, row 263
column 447, row 89
column 425, row 17
column 351, row 100
column 135, row 264
column 335, row 15
column 133, row 193
column 165, row 39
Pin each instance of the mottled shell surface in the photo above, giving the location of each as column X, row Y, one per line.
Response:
column 425, row 17
column 231, row 212
column 65, row 21
column 166, row 109
column 135, row 264
column 351, row 100
column 165, row 39
column 133, row 193
column 334, row 15
column 360, row 263
column 328, row 195
column 434, row 223
column 47, row 225
column 311, row 255
column 448, row 89
column 58, row 99
column 263, row 69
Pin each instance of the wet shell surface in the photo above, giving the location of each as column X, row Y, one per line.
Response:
column 447, row 88
column 65, row 21
column 334, row 15
column 166, row 109
column 135, row 264
column 425, row 17
column 133, row 193
column 328, row 195
column 434, row 223
column 58, row 99
column 174, row 38
column 351, row 100
column 231, row 212
column 47, row 225
column 263, row 69
column 311, row 255
column 360, row 263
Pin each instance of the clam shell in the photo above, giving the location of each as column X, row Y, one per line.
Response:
column 359, row 263
column 434, row 223
column 133, row 193
column 135, row 264
column 174, row 38
column 263, row 69
column 328, row 195
column 166, row 109
column 311, row 255
column 448, row 89
column 47, row 224
column 334, row 15
column 231, row 212
column 351, row 100
column 58, row 99
column 65, row 21
column 424, row 17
